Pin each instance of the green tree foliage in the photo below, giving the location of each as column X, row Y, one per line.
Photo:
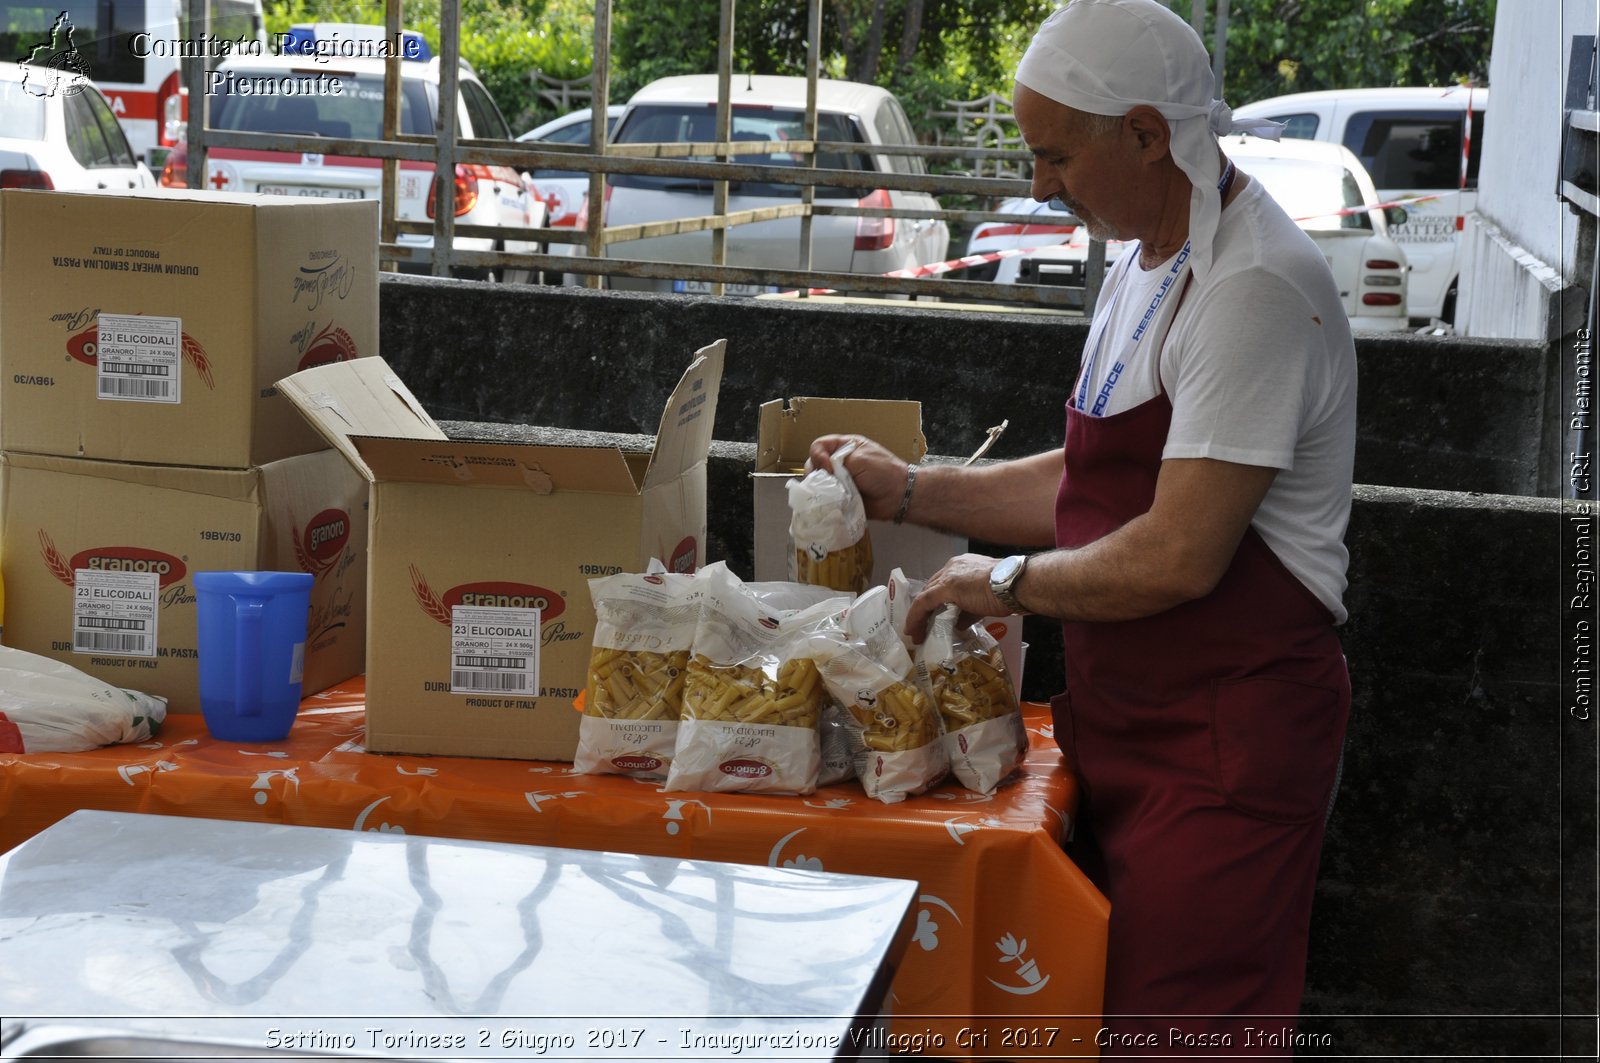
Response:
column 1281, row 46
column 926, row 51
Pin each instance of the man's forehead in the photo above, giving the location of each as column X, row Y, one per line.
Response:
column 1044, row 123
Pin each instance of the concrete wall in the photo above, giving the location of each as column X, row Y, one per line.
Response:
column 1436, row 412
column 1458, row 869
column 1523, row 246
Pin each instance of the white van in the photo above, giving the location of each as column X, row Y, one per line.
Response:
column 1421, row 146
column 130, row 50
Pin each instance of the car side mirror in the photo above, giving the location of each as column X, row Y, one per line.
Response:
column 1395, row 215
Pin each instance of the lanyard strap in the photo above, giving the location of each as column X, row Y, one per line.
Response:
column 1103, row 398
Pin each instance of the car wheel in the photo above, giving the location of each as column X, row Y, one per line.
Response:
column 1447, row 310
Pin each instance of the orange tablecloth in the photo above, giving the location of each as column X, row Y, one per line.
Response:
column 1010, row 937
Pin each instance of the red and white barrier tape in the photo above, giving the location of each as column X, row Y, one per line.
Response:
column 967, row 261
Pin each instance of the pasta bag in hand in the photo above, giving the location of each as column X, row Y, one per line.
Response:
column 893, row 726
column 903, row 590
column 752, row 697
column 644, row 628
column 828, row 529
column 983, row 730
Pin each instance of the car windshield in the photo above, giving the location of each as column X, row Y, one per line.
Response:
column 684, row 123
column 279, row 103
column 1313, row 194
column 21, row 113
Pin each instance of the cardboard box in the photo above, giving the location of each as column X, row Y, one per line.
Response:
column 785, row 432
column 783, row 440
column 479, row 617
column 71, row 523
column 151, row 326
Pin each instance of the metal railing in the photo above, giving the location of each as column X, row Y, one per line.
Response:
column 710, row 160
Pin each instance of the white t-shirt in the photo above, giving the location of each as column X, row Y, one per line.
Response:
column 1260, row 368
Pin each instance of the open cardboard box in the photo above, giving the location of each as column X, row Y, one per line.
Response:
column 480, row 622
column 139, row 533
column 785, row 431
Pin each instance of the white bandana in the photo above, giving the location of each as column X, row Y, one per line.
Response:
column 1110, row 56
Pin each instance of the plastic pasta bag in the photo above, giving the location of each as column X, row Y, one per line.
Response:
column 893, row 727
column 838, row 755
column 644, row 627
column 752, row 697
column 983, row 730
column 50, row 707
column 838, row 763
column 828, row 529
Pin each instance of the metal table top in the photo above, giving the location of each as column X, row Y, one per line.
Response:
column 305, row 938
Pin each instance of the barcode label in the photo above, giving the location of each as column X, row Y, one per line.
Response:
column 147, row 390
column 518, row 663
column 494, row 651
column 115, row 612
column 114, row 368
column 140, row 359
column 111, row 622
column 112, row 642
column 488, row 682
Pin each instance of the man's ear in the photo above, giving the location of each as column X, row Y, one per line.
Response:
column 1150, row 130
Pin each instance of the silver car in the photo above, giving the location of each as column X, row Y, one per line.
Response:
column 765, row 108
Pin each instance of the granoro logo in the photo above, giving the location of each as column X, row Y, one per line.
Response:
column 684, row 557
column 320, row 545
column 492, row 594
column 168, row 569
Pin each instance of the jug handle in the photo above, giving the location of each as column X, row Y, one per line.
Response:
column 247, row 656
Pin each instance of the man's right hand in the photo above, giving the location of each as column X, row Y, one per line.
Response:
column 878, row 473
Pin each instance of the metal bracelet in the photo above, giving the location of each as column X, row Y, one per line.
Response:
column 905, row 499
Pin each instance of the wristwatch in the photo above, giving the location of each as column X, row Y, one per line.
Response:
column 1003, row 577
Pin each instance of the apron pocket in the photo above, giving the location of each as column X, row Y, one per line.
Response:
column 1275, row 746
column 1066, row 739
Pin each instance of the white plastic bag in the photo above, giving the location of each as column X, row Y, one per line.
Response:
column 55, row 708
column 752, row 698
column 644, row 627
column 983, row 730
column 892, row 724
column 831, row 546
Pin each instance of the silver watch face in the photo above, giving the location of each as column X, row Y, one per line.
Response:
column 1004, row 571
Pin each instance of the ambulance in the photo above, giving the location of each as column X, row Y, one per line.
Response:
column 133, row 50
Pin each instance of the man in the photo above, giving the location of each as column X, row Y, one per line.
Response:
column 1194, row 523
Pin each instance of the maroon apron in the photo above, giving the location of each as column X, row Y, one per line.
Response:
column 1206, row 739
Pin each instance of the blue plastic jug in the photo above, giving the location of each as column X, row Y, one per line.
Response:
column 252, row 640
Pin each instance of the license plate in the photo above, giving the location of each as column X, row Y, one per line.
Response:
column 704, row 288
column 311, row 191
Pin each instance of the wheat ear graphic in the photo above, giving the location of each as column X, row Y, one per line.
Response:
column 196, row 356
column 54, row 561
column 426, row 598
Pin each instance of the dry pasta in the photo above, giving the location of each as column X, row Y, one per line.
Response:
column 976, row 689
column 742, row 694
column 899, row 718
column 847, row 569
column 635, row 684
